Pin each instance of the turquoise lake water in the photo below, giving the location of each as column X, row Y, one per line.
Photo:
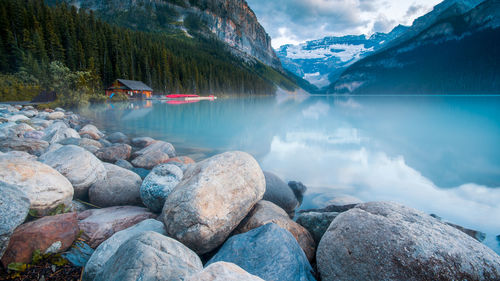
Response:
column 439, row 154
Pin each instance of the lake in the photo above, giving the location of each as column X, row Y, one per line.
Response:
column 439, row 154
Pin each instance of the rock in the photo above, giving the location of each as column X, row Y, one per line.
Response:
column 83, row 142
column 55, row 115
column 109, row 247
column 478, row 235
column 38, row 135
column 17, row 118
column 316, row 223
column 266, row 212
column 151, row 256
column 212, row 199
column 91, row 131
column 78, row 206
column 79, row 254
column 158, row 185
column 388, row 241
column 18, row 155
column 181, row 160
column 142, row 142
column 32, row 146
column 270, row 252
column 118, row 137
column 59, row 109
column 298, row 189
column 157, row 153
column 119, row 187
column 143, row 173
column 343, row 200
column 52, row 234
column 124, row 164
column 58, row 131
column 331, row 208
column 223, row 271
column 29, row 113
column 40, row 124
column 16, row 130
column 278, row 192
column 100, row 224
column 105, row 143
column 81, row 167
column 114, row 153
column 45, row 187
column 14, row 207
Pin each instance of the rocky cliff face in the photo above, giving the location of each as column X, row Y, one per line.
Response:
column 231, row 21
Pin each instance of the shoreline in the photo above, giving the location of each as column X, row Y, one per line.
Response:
column 52, row 159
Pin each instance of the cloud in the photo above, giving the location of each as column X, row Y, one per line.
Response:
column 294, row 21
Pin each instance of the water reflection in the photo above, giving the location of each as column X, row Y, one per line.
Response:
column 437, row 154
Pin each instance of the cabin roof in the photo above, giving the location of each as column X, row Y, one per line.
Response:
column 135, row 85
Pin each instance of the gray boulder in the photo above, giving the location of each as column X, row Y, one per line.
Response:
column 58, row 131
column 316, row 223
column 118, row 137
column 124, row 164
column 270, row 252
column 223, row 271
column 142, row 142
column 83, row 142
column 14, row 207
column 158, row 184
column 156, row 153
column 55, row 115
column 114, row 153
column 119, row 187
column 81, row 167
column 278, row 192
column 34, row 135
column 150, row 256
column 91, row 131
column 17, row 118
column 14, row 154
column 109, row 247
column 298, row 189
column 388, row 241
column 212, row 199
column 32, row 146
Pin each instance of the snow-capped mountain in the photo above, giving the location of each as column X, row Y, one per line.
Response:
column 322, row 61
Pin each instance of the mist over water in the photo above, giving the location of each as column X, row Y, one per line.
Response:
column 439, row 154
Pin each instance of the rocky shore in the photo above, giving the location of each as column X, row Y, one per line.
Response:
column 132, row 209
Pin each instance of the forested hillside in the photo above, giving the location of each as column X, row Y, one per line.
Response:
column 32, row 35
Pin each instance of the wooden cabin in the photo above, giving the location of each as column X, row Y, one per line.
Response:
column 133, row 89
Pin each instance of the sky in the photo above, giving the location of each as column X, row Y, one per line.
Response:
column 296, row 21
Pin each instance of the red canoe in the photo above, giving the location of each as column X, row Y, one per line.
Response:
column 178, row 96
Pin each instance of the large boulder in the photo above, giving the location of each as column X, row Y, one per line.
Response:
column 278, row 192
column 150, row 256
column 119, row 187
column 118, row 137
column 97, row 225
column 388, row 241
column 14, row 207
column 45, row 187
column 114, row 153
column 30, row 145
column 270, row 252
column 158, row 185
column 14, row 154
column 81, row 167
column 156, row 153
column 223, row 271
column 52, row 234
column 91, row 131
column 316, row 223
column 266, row 212
column 58, row 131
column 109, row 247
column 212, row 199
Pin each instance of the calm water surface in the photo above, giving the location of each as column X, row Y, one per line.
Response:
column 440, row 154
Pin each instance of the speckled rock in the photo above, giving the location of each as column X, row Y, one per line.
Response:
column 150, row 256
column 388, row 241
column 81, row 167
column 270, row 252
column 45, row 187
column 114, row 153
column 91, row 131
column 265, row 212
column 100, row 224
column 316, row 223
column 223, row 271
column 14, row 207
column 119, row 187
column 212, row 199
column 52, row 234
column 278, row 192
column 158, row 185
column 156, row 153
column 109, row 247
